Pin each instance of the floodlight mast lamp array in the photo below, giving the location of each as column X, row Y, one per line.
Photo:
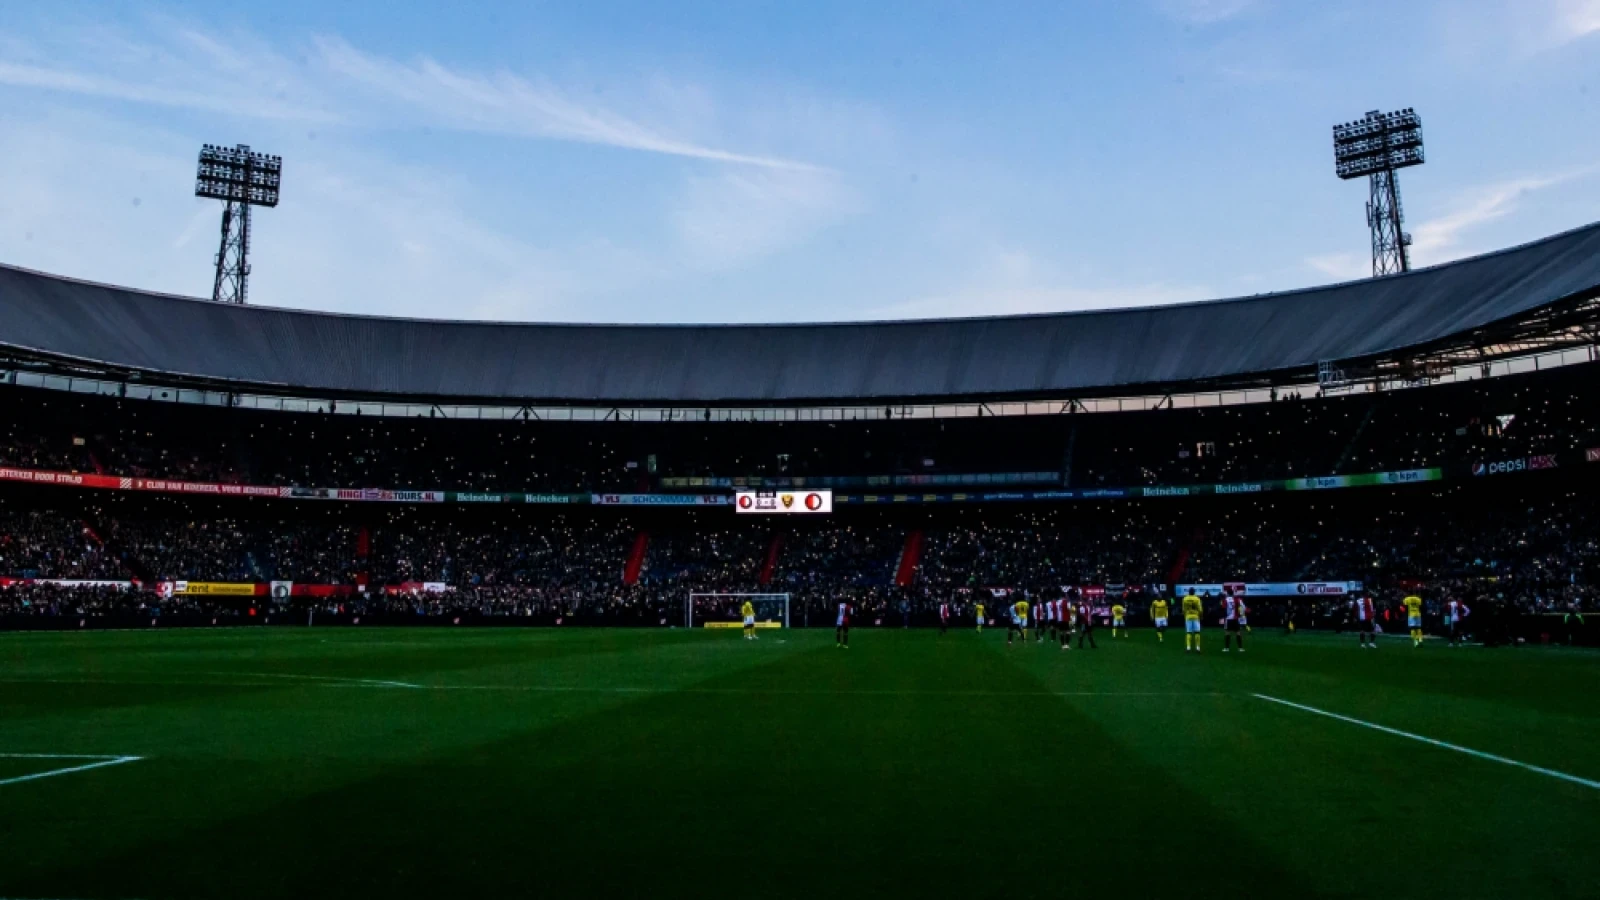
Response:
column 1374, row 147
column 241, row 179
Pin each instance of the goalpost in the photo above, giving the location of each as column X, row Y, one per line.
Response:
column 718, row 610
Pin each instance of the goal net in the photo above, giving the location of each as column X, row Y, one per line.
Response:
column 718, row 610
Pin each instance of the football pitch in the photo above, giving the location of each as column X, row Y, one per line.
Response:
column 402, row 763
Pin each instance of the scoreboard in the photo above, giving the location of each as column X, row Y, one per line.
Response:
column 783, row 502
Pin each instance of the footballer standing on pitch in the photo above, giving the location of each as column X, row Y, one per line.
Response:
column 1193, row 607
column 1019, row 621
column 1158, row 617
column 1366, row 618
column 1232, row 611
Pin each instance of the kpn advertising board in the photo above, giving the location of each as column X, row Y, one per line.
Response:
column 783, row 502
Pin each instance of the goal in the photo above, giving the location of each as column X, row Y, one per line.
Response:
column 718, row 610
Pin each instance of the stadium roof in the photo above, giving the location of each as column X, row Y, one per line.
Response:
column 68, row 322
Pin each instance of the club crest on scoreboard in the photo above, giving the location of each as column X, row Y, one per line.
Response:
column 780, row 502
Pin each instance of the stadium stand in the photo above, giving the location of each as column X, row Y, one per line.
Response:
column 128, row 466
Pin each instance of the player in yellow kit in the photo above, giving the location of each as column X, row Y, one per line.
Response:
column 1118, row 624
column 1019, row 621
column 1414, row 618
column 748, row 610
column 980, row 618
column 1158, row 615
column 1191, row 622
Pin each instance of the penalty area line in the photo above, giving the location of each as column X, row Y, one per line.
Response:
column 1437, row 743
column 100, row 762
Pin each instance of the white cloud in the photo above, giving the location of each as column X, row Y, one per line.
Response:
column 1576, row 19
column 214, row 101
column 1436, row 240
column 504, row 103
column 1442, row 238
column 364, row 233
column 367, row 235
column 188, row 68
column 89, row 197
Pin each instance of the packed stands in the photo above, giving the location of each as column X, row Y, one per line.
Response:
column 1451, row 426
column 1491, row 526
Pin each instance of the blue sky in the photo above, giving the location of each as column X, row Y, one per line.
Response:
column 678, row 162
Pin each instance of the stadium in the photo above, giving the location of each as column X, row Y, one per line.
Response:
column 217, row 519
column 808, row 450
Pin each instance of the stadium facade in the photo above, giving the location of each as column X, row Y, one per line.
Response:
column 964, row 454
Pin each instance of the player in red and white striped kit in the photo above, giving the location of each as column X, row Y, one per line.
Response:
column 944, row 617
column 1366, row 617
column 1232, row 616
column 1455, row 614
column 1085, row 612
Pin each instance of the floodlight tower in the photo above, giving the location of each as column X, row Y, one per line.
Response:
column 240, row 179
column 1375, row 146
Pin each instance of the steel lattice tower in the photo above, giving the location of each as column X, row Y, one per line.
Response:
column 240, row 179
column 233, row 257
column 1375, row 146
column 1385, row 217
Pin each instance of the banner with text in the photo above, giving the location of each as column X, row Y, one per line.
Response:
column 826, row 497
column 660, row 499
column 1277, row 589
column 814, row 482
column 6, row 582
column 217, row 588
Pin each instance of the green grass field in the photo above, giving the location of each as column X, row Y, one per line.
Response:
column 446, row 763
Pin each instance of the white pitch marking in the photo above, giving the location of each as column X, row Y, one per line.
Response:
column 373, row 682
column 1427, row 740
column 582, row 689
column 144, row 682
column 800, row 692
column 102, row 761
column 62, row 756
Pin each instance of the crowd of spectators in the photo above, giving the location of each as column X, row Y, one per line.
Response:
column 41, row 544
column 1448, row 426
column 1498, row 546
column 55, row 545
column 39, row 599
column 1523, row 556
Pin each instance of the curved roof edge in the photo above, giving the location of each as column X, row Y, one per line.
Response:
column 1040, row 354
